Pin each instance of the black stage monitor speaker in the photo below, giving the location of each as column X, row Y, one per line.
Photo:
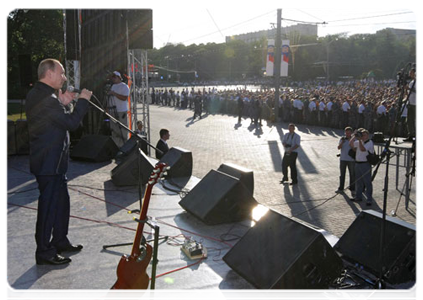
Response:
column 25, row 70
column 22, row 136
column 128, row 171
column 140, row 24
column 280, row 253
column 361, row 244
column 11, row 137
column 219, row 198
column 246, row 176
column 95, row 148
column 132, row 143
column 180, row 162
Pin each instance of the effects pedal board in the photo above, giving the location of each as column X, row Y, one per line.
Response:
column 193, row 249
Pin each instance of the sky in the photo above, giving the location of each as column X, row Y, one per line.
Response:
column 213, row 22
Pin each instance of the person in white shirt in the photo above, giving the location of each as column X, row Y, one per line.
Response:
column 322, row 113
column 362, row 146
column 411, row 108
column 291, row 142
column 345, row 112
column 120, row 93
column 382, row 117
column 312, row 107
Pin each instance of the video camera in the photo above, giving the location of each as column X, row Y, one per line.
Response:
column 403, row 77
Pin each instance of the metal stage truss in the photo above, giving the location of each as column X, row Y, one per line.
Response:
column 138, row 73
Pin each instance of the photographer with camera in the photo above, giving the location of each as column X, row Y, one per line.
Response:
column 411, row 107
column 291, row 141
column 362, row 146
column 346, row 161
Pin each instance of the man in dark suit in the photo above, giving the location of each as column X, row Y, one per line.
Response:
column 49, row 121
column 162, row 143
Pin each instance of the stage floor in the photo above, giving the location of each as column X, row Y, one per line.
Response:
column 100, row 218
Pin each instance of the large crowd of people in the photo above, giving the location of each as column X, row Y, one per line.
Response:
column 356, row 103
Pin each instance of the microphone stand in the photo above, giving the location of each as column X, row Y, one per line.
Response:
column 140, row 186
column 380, row 283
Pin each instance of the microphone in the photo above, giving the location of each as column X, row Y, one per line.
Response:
column 73, row 89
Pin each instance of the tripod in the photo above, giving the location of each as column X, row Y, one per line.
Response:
column 386, row 152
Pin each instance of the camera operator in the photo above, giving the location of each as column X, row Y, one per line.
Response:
column 411, row 107
column 346, row 161
column 363, row 170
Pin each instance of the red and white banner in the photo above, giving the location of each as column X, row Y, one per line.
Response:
column 270, row 60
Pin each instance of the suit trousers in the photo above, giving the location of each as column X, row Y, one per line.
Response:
column 290, row 160
column 53, row 215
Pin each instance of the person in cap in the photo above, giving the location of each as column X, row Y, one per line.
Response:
column 362, row 146
column 119, row 92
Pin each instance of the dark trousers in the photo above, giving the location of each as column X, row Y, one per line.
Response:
column 411, row 120
column 53, row 215
column 343, row 165
column 290, row 160
column 363, row 173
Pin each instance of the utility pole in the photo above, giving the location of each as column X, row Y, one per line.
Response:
column 277, row 66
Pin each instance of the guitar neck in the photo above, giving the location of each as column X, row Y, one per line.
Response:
column 143, row 219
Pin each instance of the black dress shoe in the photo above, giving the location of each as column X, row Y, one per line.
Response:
column 70, row 248
column 55, row 260
column 293, row 183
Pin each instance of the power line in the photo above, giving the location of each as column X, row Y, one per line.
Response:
column 232, row 26
column 367, row 24
column 370, row 17
column 215, row 23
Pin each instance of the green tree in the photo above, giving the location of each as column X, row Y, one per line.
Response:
column 37, row 33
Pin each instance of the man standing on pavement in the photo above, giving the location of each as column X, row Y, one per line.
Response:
column 363, row 170
column 346, row 161
column 411, row 108
column 291, row 142
column 49, row 123
column 120, row 93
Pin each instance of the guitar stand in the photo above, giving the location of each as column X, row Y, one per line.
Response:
column 131, row 243
column 155, row 251
column 156, row 239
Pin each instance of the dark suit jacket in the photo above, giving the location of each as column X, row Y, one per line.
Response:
column 48, row 124
column 163, row 147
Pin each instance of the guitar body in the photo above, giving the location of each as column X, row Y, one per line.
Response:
column 131, row 271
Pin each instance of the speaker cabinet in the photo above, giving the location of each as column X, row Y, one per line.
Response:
column 361, row 244
column 180, row 162
column 132, row 144
column 11, row 137
column 246, row 176
column 219, row 198
column 140, row 24
column 22, row 136
column 280, row 253
column 94, row 148
column 135, row 165
column 25, row 70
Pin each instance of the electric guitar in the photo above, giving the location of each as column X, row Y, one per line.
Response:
column 131, row 271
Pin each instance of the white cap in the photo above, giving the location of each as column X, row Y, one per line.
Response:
column 117, row 74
